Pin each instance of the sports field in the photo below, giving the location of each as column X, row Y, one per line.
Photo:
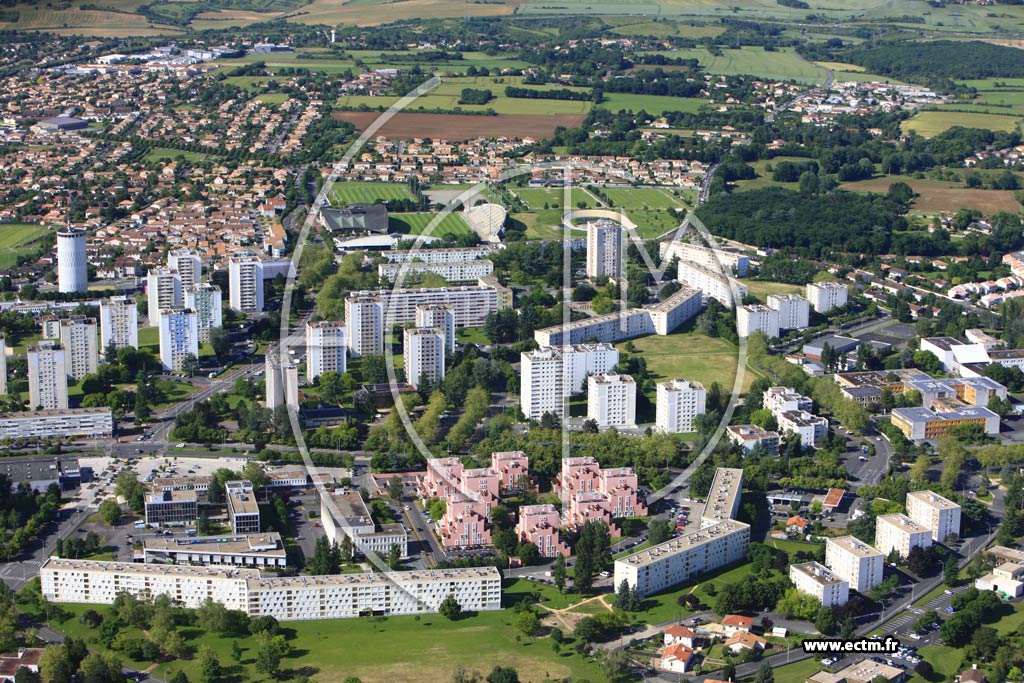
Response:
column 536, row 198
column 16, row 239
column 452, row 225
column 930, row 123
column 642, row 198
column 343, row 193
column 652, row 104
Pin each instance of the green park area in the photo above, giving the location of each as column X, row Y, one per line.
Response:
column 652, row 104
column 16, row 239
column 688, row 355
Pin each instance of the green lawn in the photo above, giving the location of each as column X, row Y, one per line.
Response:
column 642, row 198
column 344, row 193
column 762, row 288
column 149, row 338
column 174, row 392
column 930, row 122
column 536, row 197
column 273, row 98
column 652, row 104
column 471, row 335
column 16, row 239
column 168, row 154
column 452, row 225
column 541, row 225
column 688, row 355
column 665, row 606
column 800, row 671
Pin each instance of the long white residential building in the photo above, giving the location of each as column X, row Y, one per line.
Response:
column 364, row 321
column 900, row 533
column 163, row 291
column 439, row 255
column 81, row 342
column 940, row 515
column 552, row 373
column 286, row 598
column 179, row 337
column 423, row 355
column 854, row 561
column 470, row 305
column 3, row 365
column 205, row 299
column 326, row 349
column 712, row 284
column 119, row 323
column 451, row 271
column 736, row 262
column 245, row 284
column 815, row 579
column 66, row 424
column 604, row 249
column 611, row 400
column 757, row 318
column 661, row 319
column 47, row 376
column 677, row 403
column 824, row 296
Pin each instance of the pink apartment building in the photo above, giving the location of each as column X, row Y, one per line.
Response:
column 586, row 507
column 465, row 523
column 538, row 524
column 620, row 484
column 443, row 478
column 513, row 468
column 588, row 492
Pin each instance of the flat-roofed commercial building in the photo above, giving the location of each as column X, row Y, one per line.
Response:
column 940, row 515
column 243, row 511
column 900, row 533
column 82, row 422
column 815, row 579
column 252, row 550
column 918, row 424
column 855, row 561
column 345, row 514
column 175, row 507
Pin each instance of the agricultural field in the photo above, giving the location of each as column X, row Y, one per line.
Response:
column 689, row 355
column 462, row 127
column 344, row 193
column 662, row 29
column 936, row 196
column 374, row 12
column 930, row 123
column 781, row 64
column 16, row 239
column 652, row 104
column 452, row 225
column 74, row 19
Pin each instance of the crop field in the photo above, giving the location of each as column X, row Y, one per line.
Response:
column 500, row 104
column 936, row 196
column 652, row 104
column 16, row 239
column 452, row 225
column 662, row 29
column 343, row 193
column 642, row 198
column 689, row 355
column 783, row 64
column 930, row 123
column 553, row 197
column 82, row 18
column 462, row 127
column 374, row 12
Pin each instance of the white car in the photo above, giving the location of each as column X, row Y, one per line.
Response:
column 180, row 445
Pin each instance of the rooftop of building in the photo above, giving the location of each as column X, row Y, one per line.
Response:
column 99, row 566
column 241, row 503
column 172, row 496
column 266, row 543
column 750, row 432
column 948, row 412
column 725, row 489
column 901, row 521
column 932, row 499
column 853, row 545
column 880, row 378
column 684, row 542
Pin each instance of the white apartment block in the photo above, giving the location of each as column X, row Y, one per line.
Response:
column 188, row 264
column 364, row 320
column 684, row 557
column 326, row 349
column 423, row 353
column 611, row 400
column 50, row 327
column 440, row 317
column 47, row 376
column 940, row 515
column 749, row 437
column 712, row 284
column 451, row 271
column 179, row 337
column 3, row 365
column 245, row 284
column 66, row 424
column 285, row 598
column 470, row 304
column 724, row 496
column 119, row 323
column 205, row 300
column 854, row 561
column 730, row 261
column 604, row 249
column 810, row 428
column 282, row 382
column 551, row 374
column 439, row 255
column 824, row 296
column 900, row 533
column 80, row 339
column 815, row 579
column 794, row 310
column 781, row 399
column 163, row 291
column 757, row 318
column 677, row 403
column 661, row 318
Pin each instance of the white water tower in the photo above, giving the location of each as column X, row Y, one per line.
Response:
column 72, row 272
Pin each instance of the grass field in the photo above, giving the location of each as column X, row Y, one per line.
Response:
column 373, row 12
column 935, row 196
column 783, row 64
column 452, row 225
column 500, row 104
column 642, row 198
column 762, row 288
column 930, row 123
column 167, row 154
column 16, row 239
column 73, row 19
column 688, row 355
column 536, row 197
column 461, row 127
column 273, row 98
column 764, row 176
column 344, row 193
column 652, row 104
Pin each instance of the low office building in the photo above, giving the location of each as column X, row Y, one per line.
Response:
column 252, row 550
column 678, row 402
column 611, row 400
column 918, row 424
column 41, row 473
column 868, row 386
column 176, row 507
column 854, row 561
column 815, row 579
column 900, row 533
column 1007, row 578
column 345, row 514
column 284, row 598
column 749, row 437
column 938, row 514
column 243, row 511
column 93, row 423
column 864, row 671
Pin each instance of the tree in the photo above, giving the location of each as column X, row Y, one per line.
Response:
column 765, row 673
column 209, row 666
column 269, row 651
column 395, row 488
column 394, row 558
column 236, row 651
column 55, row 665
column 825, row 621
column 190, row 364
column 220, row 342
column 560, row 573
column 110, row 512
column 729, row 672
column 450, row 608
column 503, row 674
column 658, row 531
column 951, row 572
column 527, row 622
